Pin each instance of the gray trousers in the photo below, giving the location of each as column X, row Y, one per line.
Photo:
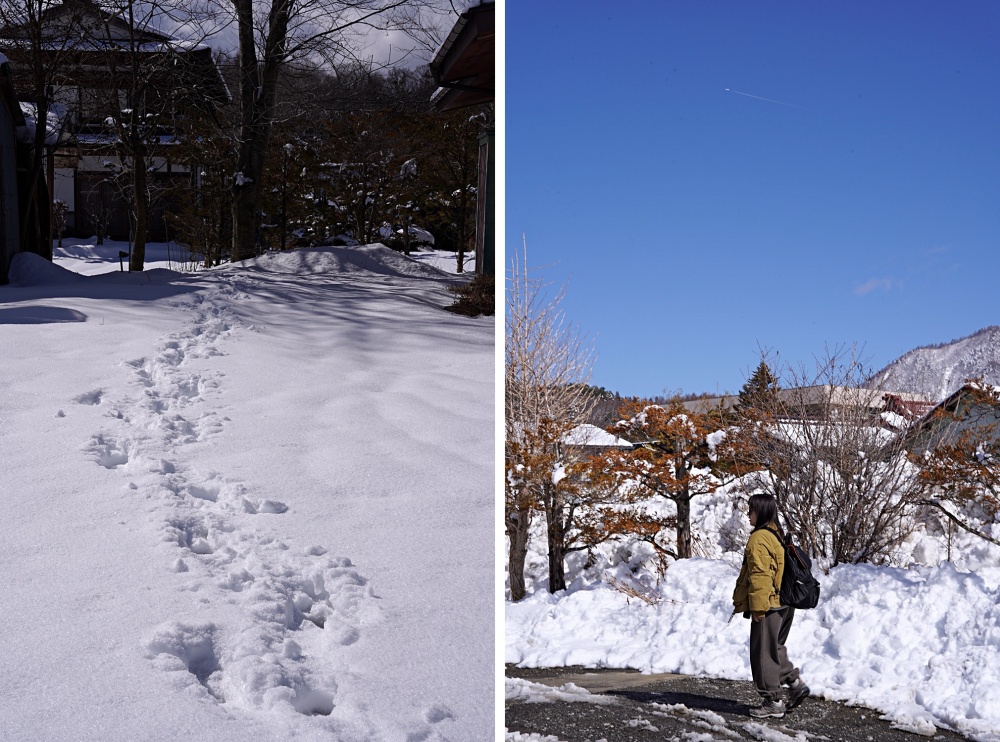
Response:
column 768, row 658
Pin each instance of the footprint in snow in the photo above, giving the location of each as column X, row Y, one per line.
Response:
column 438, row 713
column 92, row 398
column 109, row 452
column 189, row 533
column 263, row 506
column 189, row 650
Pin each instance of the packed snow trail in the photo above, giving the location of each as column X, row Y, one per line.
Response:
column 302, row 602
column 243, row 477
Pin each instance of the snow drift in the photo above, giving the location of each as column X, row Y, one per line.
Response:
column 223, row 495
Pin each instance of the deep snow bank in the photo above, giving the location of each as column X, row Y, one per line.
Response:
column 376, row 259
column 28, row 269
column 919, row 644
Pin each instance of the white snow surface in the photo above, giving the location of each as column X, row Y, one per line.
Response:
column 919, row 644
column 240, row 501
column 591, row 435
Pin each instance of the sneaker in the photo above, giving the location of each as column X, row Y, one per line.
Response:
column 769, row 709
column 797, row 693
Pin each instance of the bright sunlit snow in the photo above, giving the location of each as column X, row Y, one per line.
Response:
column 919, row 644
column 247, row 503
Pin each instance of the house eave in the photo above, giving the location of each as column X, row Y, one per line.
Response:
column 464, row 68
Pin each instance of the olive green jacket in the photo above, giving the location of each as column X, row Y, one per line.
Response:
column 759, row 583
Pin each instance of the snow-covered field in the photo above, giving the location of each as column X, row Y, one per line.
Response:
column 918, row 643
column 244, row 503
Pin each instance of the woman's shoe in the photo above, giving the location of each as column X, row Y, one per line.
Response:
column 797, row 693
column 769, row 710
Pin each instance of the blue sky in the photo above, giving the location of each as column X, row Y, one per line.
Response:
column 844, row 189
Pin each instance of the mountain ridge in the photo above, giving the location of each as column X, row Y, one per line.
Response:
column 938, row 370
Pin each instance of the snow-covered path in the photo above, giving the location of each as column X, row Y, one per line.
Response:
column 252, row 503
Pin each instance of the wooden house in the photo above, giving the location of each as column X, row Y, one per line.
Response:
column 824, row 400
column 972, row 408
column 464, row 69
column 20, row 230
column 10, row 120
column 94, row 55
column 586, row 440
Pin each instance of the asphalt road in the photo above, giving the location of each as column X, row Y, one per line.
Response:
column 687, row 709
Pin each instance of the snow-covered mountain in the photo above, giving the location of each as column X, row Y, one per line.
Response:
column 937, row 371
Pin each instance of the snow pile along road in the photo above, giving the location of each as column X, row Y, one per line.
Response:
column 918, row 644
column 240, row 502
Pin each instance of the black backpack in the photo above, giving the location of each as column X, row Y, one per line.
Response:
column 799, row 589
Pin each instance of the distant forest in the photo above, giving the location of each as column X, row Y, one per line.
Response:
column 605, row 412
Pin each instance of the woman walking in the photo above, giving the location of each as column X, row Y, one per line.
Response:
column 757, row 597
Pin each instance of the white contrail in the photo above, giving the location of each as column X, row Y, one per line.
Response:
column 769, row 100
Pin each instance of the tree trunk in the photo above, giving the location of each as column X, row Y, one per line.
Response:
column 244, row 221
column 683, row 500
column 140, row 208
column 258, row 90
column 518, row 527
column 460, row 257
column 254, row 133
column 683, row 526
column 36, row 208
column 556, row 531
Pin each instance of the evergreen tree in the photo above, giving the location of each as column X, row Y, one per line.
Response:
column 760, row 392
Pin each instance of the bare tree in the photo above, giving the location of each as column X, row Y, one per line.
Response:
column 547, row 364
column 96, row 199
column 843, row 482
column 151, row 78
column 273, row 35
column 201, row 211
column 453, row 176
column 59, row 213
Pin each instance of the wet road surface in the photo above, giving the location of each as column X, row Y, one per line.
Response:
column 687, row 709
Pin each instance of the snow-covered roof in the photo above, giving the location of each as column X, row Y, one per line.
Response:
column 111, row 138
column 55, row 123
column 812, row 395
column 894, row 420
column 918, row 433
column 421, row 235
column 89, row 31
column 802, row 432
column 591, row 435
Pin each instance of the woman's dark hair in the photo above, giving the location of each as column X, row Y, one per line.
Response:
column 767, row 510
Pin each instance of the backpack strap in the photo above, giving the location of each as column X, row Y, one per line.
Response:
column 788, row 546
column 782, row 543
column 798, row 557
